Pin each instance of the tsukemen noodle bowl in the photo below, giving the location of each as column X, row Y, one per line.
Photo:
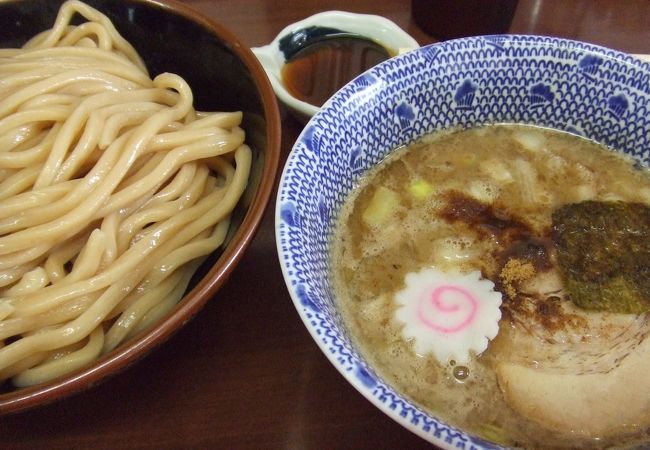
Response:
column 465, row 232
column 136, row 163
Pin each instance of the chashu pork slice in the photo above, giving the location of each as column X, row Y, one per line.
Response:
column 572, row 370
column 592, row 404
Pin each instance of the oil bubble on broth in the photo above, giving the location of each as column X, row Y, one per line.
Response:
column 458, row 273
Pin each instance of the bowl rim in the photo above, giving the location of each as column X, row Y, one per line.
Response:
column 122, row 357
column 474, row 442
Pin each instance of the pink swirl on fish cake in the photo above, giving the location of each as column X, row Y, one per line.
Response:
column 447, row 303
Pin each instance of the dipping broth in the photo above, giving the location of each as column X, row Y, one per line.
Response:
column 320, row 69
column 489, row 214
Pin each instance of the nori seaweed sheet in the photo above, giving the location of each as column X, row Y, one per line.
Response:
column 603, row 251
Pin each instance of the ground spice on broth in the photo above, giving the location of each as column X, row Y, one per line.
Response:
column 464, row 201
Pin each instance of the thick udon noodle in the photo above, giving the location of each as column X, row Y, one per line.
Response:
column 113, row 189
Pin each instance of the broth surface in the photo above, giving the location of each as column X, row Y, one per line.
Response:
column 516, row 176
column 320, row 69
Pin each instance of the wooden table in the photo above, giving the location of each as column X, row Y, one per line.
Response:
column 245, row 373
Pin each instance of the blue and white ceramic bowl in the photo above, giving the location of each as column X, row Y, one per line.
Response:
column 589, row 90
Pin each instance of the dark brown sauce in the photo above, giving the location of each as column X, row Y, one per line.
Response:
column 320, row 69
column 517, row 239
column 485, row 219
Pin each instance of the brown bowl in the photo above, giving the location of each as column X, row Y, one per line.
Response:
column 224, row 75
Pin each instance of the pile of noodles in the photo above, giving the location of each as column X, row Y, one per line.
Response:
column 113, row 189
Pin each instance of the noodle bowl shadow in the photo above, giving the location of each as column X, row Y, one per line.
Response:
column 584, row 89
column 224, row 76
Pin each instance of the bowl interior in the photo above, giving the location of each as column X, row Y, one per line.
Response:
column 224, row 76
column 168, row 37
column 584, row 89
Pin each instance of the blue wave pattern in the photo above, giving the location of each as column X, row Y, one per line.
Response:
column 584, row 89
